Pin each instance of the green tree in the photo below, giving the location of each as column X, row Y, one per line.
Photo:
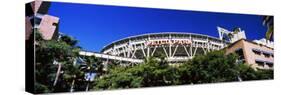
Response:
column 151, row 73
column 268, row 22
column 92, row 65
column 72, row 73
column 213, row 67
column 119, row 77
column 48, row 52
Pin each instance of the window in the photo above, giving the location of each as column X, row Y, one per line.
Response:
column 266, row 55
column 270, row 65
column 240, row 54
column 35, row 21
column 259, row 63
column 257, row 51
column 55, row 24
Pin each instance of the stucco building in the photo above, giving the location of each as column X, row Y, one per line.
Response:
column 256, row 55
column 37, row 17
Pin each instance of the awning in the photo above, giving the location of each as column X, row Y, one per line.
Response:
column 266, row 52
column 263, row 51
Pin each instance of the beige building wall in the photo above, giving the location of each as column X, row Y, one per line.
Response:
column 249, row 55
column 47, row 27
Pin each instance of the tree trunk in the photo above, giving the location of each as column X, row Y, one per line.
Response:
column 57, row 75
column 72, row 85
column 87, row 88
column 239, row 78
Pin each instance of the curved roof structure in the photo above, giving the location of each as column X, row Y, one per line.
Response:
column 145, row 36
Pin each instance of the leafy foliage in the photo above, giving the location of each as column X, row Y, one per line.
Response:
column 268, row 22
column 46, row 72
column 155, row 71
column 210, row 68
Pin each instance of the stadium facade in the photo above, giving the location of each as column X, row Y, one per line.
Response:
column 175, row 46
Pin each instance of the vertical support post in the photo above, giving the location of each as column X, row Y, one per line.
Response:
column 175, row 51
column 148, row 52
column 191, row 50
column 165, row 52
column 124, row 52
column 170, row 46
column 208, row 45
column 142, row 48
column 135, row 49
column 191, row 45
column 153, row 50
column 196, row 46
column 148, row 48
column 186, row 51
column 106, row 63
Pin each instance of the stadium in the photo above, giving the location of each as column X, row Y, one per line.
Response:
column 176, row 47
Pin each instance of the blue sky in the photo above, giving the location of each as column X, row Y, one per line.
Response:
column 97, row 25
